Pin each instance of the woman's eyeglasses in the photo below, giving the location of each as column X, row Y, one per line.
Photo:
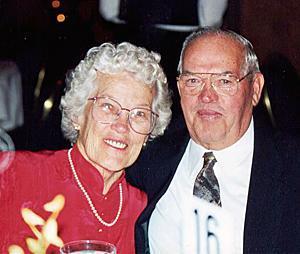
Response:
column 106, row 110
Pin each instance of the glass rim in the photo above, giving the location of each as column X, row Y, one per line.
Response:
column 94, row 99
column 227, row 74
column 215, row 76
column 153, row 115
column 78, row 242
column 130, row 124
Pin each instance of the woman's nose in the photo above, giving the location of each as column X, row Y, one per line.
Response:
column 121, row 124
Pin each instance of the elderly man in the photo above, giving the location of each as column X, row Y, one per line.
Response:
column 253, row 172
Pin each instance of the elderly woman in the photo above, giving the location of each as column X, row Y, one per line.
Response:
column 116, row 100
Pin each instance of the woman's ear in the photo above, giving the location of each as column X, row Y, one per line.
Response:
column 145, row 140
column 75, row 123
column 76, row 126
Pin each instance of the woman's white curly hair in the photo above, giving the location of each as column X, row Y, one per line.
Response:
column 113, row 59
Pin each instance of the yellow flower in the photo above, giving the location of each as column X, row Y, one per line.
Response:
column 31, row 218
column 49, row 231
column 49, row 228
column 35, row 245
column 15, row 249
column 56, row 205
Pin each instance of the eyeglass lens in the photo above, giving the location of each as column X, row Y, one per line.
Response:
column 106, row 111
column 222, row 84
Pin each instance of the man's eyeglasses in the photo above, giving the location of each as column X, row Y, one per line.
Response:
column 106, row 110
column 223, row 84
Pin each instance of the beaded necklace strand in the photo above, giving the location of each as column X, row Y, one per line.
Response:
column 89, row 200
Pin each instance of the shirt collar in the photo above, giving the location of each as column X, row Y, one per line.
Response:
column 240, row 149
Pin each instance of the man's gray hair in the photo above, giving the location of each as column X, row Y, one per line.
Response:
column 250, row 58
column 114, row 59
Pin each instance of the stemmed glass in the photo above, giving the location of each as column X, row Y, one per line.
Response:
column 88, row 247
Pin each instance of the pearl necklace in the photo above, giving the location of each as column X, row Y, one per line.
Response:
column 89, row 200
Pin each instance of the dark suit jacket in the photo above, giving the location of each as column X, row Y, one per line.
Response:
column 272, row 223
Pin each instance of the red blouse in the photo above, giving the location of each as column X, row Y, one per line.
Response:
column 34, row 179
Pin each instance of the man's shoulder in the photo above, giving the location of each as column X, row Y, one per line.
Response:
column 284, row 145
column 289, row 146
column 283, row 137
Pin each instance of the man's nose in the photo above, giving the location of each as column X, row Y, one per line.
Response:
column 208, row 93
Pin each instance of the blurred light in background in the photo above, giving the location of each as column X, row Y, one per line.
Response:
column 48, row 104
column 55, row 4
column 267, row 103
column 60, row 18
column 41, row 76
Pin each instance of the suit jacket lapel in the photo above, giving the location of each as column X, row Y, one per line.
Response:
column 263, row 211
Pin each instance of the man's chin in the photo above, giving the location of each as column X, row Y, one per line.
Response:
column 210, row 139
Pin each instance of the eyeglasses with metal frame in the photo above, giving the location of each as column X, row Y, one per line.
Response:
column 106, row 110
column 223, row 83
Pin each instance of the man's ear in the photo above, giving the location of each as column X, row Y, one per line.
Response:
column 178, row 87
column 257, row 84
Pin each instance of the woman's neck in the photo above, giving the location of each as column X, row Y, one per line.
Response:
column 109, row 176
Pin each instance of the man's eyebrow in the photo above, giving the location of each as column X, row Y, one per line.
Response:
column 187, row 72
column 191, row 72
column 228, row 72
column 223, row 73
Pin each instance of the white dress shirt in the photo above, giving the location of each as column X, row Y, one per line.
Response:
column 232, row 169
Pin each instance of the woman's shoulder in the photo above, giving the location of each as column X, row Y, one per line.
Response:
column 134, row 191
column 29, row 162
column 28, row 174
column 38, row 155
column 136, row 196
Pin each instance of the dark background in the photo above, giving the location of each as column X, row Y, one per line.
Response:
column 31, row 36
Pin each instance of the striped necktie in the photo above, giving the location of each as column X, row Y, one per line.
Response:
column 206, row 184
